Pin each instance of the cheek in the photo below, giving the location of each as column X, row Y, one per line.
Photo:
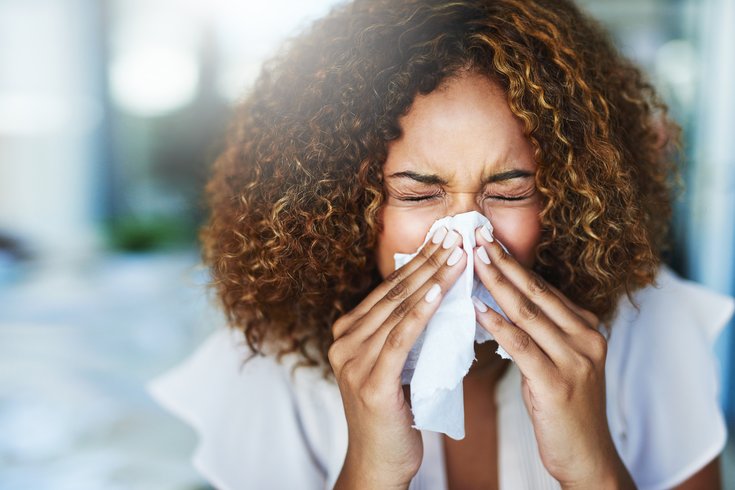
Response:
column 520, row 232
column 403, row 232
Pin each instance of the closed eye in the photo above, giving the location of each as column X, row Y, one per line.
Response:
column 434, row 196
column 419, row 198
column 508, row 198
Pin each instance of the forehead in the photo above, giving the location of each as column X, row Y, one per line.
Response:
column 464, row 123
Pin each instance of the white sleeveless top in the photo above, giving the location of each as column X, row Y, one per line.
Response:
column 258, row 427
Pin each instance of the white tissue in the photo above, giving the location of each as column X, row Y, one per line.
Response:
column 443, row 353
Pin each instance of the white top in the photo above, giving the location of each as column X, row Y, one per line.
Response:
column 259, row 427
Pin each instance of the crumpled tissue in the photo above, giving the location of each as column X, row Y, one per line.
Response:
column 443, row 353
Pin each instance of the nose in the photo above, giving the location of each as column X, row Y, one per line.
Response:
column 464, row 202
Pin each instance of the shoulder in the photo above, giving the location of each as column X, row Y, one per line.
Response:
column 672, row 296
column 671, row 321
column 254, row 417
column 663, row 380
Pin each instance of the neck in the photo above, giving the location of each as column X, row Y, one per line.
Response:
column 489, row 366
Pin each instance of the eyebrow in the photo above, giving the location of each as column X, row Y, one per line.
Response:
column 435, row 179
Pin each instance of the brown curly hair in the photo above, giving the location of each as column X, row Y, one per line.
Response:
column 295, row 195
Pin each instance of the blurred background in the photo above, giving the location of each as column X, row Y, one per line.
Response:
column 110, row 113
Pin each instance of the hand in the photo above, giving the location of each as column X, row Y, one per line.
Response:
column 561, row 357
column 371, row 344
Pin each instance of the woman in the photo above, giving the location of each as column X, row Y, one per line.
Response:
column 384, row 117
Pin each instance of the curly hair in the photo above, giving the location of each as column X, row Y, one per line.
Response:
column 295, row 195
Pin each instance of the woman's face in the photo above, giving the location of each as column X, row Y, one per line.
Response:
column 462, row 149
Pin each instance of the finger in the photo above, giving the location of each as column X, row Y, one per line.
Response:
column 444, row 278
column 523, row 311
column 436, row 265
column 533, row 362
column 587, row 315
column 534, row 287
column 433, row 245
column 399, row 340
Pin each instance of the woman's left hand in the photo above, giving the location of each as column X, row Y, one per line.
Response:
column 561, row 356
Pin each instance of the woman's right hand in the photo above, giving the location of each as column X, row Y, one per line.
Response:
column 371, row 345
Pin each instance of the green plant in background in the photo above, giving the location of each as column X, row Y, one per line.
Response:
column 134, row 234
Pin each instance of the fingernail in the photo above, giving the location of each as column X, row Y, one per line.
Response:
column 450, row 239
column 432, row 293
column 479, row 304
column 439, row 235
column 486, row 233
column 455, row 256
column 483, row 255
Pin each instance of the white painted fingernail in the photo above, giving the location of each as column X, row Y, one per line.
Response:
column 432, row 293
column 483, row 254
column 450, row 239
column 455, row 256
column 486, row 233
column 439, row 235
column 479, row 304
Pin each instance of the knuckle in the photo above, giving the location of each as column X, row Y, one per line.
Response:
column 584, row 367
column 334, row 354
column 401, row 310
column 397, row 292
column 349, row 373
column 528, row 310
column 434, row 261
column 521, row 340
column 441, row 276
column 395, row 338
column 499, row 277
column 413, row 315
column 339, row 326
column 426, row 253
column 394, row 276
column 597, row 345
column 593, row 319
column 497, row 322
column 537, row 286
column 369, row 395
